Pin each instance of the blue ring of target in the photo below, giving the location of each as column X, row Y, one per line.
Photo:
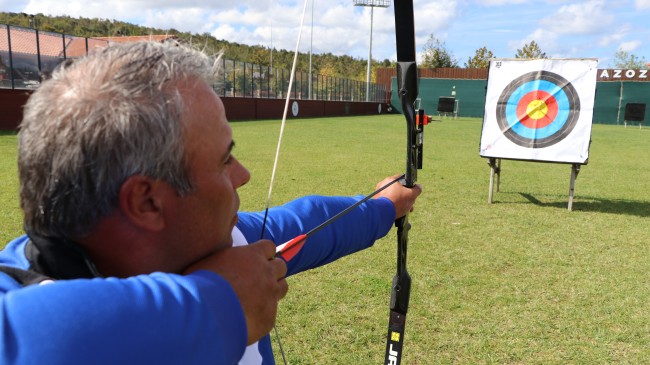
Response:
column 567, row 101
column 554, row 126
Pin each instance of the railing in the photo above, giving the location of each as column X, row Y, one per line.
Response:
column 28, row 55
column 241, row 79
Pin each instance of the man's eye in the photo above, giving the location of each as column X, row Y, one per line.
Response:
column 229, row 160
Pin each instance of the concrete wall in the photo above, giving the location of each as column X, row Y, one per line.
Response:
column 12, row 101
column 11, row 107
column 249, row 108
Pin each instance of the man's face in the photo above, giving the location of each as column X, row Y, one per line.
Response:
column 203, row 220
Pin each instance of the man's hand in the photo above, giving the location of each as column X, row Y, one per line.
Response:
column 257, row 278
column 403, row 198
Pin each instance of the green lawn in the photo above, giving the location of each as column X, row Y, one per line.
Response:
column 10, row 213
column 520, row 281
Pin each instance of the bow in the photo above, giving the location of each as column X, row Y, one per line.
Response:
column 407, row 81
column 407, row 85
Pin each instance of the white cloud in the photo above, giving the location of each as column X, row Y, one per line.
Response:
column 224, row 32
column 616, row 36
column 642, row 4
column 87, row 9
column 561, row 27
column 500, row 2
column 14, row 6
column 188, row 19
column 434, row 16
column 629, row 46
column 583, row 18
column 545, row 39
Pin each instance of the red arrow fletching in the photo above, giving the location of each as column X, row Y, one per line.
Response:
column 291, row 248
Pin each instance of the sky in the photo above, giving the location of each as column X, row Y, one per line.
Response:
column 562, row 28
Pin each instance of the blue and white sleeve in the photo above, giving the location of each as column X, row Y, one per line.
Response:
column 357, row 230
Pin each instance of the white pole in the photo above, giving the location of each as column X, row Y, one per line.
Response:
column 369, row 56
column 311, row 40
column 574, row 174
column 620, row 102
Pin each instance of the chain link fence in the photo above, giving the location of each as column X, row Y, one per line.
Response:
column 28, row 56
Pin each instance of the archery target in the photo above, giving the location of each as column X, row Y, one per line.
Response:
column 539, row 110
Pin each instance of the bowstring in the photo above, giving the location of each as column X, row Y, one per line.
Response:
column 277, row 151
column 284, row 119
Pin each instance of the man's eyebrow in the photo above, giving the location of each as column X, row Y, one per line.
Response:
column 230, row 148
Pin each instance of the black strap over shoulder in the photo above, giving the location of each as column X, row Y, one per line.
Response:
column 51, row 259
column 58, row 258
column 24, row 277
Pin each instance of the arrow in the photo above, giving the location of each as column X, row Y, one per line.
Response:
column 290, row 248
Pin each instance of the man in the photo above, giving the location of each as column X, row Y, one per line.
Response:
column 128, row 187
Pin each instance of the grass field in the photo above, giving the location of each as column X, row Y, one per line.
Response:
column 520, row 281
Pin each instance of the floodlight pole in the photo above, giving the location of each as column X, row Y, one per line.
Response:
column 372, row 4
column 372, row 10
column 311, row 41
column 271, row 23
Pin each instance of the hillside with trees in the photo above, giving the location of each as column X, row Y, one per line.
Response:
column 324, row 64
column 435, row 53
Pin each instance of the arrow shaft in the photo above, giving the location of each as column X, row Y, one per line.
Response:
column 290, row 248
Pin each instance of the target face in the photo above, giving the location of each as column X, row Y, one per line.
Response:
column 538, row 109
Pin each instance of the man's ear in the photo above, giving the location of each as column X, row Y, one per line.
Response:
column 142, row 201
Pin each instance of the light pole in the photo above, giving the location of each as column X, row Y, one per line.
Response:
column 271, row 26
column 372, row 4
column 311, row 41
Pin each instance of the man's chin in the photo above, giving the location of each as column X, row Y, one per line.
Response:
column 235, row 219
column 224, row 245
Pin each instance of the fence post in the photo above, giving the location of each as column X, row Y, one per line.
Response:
column 38, row 55
column 11, row 58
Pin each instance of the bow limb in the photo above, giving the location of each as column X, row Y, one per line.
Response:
column 407, row 84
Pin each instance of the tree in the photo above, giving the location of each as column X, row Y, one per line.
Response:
column 387, row 63
column 530, row 50
column 481, row 59
column 435, row 54
column 627, row 61
column 339, row 66
column 260, row 55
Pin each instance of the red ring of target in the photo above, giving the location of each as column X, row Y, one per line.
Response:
column 547, row 105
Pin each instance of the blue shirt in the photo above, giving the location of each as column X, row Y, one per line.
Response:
column 164, row 318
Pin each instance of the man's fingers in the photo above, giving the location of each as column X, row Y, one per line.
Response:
column 266, row 247
column 279, row 268
column 283, row 287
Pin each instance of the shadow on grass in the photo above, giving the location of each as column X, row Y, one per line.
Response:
column 592, row 204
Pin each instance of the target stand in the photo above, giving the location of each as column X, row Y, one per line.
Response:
column 447, row 105
column 634, row 112
column 495, row 171
column 538, row 110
